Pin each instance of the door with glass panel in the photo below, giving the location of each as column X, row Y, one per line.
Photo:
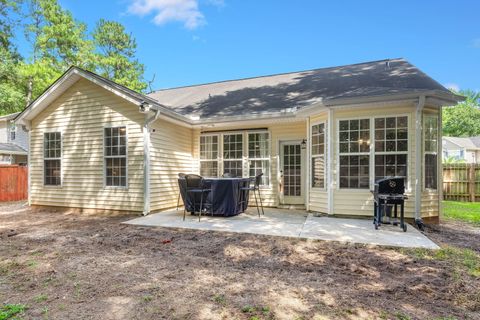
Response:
column 291, row 173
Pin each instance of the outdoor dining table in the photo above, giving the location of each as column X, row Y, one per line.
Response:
column 225, row 196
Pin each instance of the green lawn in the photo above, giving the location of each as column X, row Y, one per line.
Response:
column 464, row 211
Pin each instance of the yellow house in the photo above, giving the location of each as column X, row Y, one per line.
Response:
column 321, row 137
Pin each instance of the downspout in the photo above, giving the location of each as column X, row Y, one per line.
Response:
column 418, row 161
column 146, row 161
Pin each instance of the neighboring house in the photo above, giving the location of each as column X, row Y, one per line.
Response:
column 466, row 149
column 13, row 141
column 321, row 137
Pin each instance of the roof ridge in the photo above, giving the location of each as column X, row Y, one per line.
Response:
column 277, row 74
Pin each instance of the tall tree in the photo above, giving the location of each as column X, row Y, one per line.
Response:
column 115, row 55
column 11, row 93
column 463, row 120
column 57, row 41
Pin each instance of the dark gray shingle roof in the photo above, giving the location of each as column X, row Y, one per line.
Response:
column 275, row 93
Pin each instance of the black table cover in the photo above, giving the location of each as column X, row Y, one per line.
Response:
column 225, row 196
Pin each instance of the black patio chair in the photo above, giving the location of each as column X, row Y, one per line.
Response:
column 256, row 190
column 228, row 175
column 180, row 176
column 196, row 186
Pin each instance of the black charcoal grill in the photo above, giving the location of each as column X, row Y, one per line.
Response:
column 388, row 194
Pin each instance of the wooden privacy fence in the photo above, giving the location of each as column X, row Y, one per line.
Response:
column 461, row 182
column 13, row 183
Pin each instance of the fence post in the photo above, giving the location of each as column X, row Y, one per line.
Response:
column 471, row 182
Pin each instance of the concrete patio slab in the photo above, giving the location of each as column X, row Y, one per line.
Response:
column 294, row 223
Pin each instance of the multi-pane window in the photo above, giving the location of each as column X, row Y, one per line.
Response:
column 318, row 155
column 115, row 156
column 52, row 155
column 259, row 155
column 391, row 147
column 13, row 131
column 430, row 129
column 233, row 154
column 209, row 156
column 354, row 149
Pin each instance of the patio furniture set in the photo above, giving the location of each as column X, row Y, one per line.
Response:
column 226, row 196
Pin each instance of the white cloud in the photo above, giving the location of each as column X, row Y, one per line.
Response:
column 452, row 86
column 165, row 11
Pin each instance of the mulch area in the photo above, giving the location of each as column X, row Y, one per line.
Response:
column 70, row 266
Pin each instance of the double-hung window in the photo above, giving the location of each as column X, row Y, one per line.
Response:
column 52, row 155
column 13, row 131
column 115, row 156
column 430, row 135
column 318, row 155
column 209, row 155
column 259, row 155
column 233, row 154
column 391, row 147
column 354, row 150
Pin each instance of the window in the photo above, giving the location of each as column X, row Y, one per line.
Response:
column 13, row 131
column 318, row 155
column 52, row 154
column 354, row 150
column 244, row 154
column 430, row 132
column 209, row 156
column 259, row 156
column 115, row 156
column 391, row 147
column 233, row 154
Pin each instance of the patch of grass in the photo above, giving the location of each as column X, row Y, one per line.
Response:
column 9, row 311
column 8, row 267
column 220, row 299
column 147, row 298
column 41, row 298
column 32, row 263
column 249, row 309
column 462, row 211
column 461, row 259
column 402, row 316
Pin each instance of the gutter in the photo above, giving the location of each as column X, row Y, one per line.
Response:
column 418, row 160
column 146, row 161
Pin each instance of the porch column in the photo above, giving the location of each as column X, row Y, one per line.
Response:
column 418, row 158
column 330, row 142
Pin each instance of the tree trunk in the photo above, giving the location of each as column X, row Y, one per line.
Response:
column 29, row 90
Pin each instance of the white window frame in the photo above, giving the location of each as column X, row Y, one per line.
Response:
column 12, row 131
column 424, row 116
column 310, row 179
column 268, row 158
column 245, row 157
column 55, row 158
column 371, row 152
column 241, row 159
column 383, row 153
column 111, row 126
column 219, row 150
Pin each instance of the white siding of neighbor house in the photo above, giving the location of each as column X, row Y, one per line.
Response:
column 21, row 137
column 80, row 114
column 171, row 153
column 3, row 131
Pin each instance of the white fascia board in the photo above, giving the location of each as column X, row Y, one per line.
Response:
column 17, row 153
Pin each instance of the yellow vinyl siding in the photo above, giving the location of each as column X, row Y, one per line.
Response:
column 286, row 131
column 80, row 114
column 171, row 153
column 318, row 197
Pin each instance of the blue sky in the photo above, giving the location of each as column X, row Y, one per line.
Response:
column 186, row 42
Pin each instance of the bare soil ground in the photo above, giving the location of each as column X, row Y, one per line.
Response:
column 66, row 266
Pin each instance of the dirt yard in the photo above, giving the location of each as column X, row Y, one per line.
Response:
column 64, row 266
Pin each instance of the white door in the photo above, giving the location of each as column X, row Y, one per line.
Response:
column 291, row 173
